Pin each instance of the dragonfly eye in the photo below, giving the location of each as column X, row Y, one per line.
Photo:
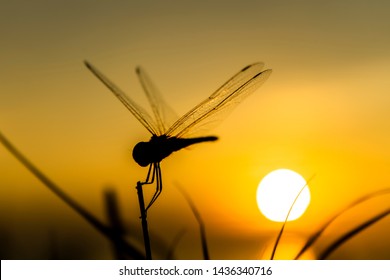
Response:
column 141, row 154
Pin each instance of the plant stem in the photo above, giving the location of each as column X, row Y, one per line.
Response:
column 144, row 222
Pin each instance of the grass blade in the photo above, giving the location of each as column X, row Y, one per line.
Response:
column 172, row 247
column 115, row 222
column 99, row 226
column 344, row 238
column 314, row 237
column 198, row 217
column 285, row 221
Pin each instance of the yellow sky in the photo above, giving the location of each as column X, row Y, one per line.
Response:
column 323, row 112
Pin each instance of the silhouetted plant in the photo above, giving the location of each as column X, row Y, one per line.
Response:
column 315, row 236
column 89, row 217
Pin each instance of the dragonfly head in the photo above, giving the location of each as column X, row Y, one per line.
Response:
column 141, row 154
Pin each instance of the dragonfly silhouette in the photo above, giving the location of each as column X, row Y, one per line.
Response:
column 168, row 139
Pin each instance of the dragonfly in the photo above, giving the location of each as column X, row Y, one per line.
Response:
column 167, row 138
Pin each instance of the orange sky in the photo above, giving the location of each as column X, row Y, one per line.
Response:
column 323, row 112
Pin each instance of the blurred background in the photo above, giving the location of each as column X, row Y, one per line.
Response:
column 324, row 111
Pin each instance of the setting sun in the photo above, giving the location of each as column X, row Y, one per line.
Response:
column 278, row 190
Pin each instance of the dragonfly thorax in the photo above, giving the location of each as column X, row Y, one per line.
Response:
column 158, row 148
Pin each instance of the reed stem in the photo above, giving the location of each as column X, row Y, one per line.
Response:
column 144, row 221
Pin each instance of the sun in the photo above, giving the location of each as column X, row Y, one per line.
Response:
column 278, row 190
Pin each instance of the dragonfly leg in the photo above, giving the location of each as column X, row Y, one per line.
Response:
column 157, row 171
column 151, row 166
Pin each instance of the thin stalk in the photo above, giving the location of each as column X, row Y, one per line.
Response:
column 144, row 221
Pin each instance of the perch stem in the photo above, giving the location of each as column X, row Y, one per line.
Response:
column 144, row 221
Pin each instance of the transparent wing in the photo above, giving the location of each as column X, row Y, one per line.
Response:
column 164, row 114
column 135, row 109
column 222, row 101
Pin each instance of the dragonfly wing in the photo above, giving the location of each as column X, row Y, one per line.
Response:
column 133, row 107
column 222, row 101
column 164, row 114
